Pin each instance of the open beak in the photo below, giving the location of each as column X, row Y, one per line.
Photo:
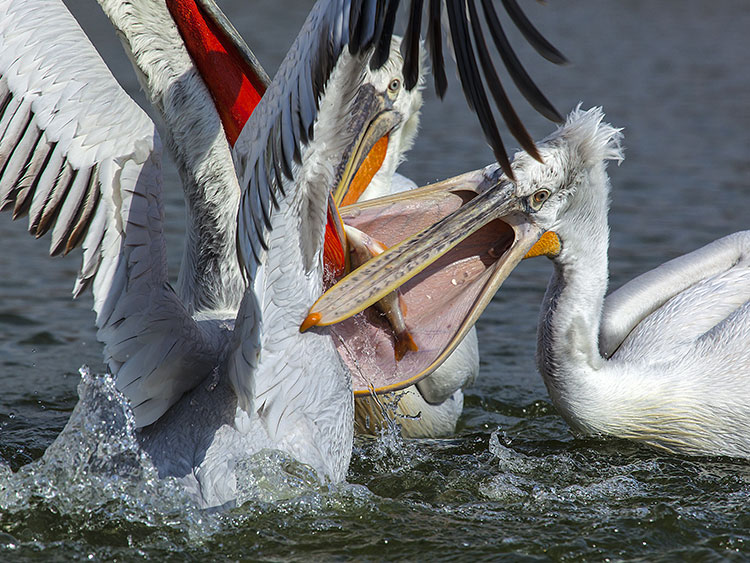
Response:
column 451, row 245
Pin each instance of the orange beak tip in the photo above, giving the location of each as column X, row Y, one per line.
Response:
column 311, row 320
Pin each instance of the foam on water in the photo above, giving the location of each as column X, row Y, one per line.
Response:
column 272, row 475
column 559, row 478
column 96, row 467
column 96, row 470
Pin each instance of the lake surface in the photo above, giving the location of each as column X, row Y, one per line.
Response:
column 513, row 483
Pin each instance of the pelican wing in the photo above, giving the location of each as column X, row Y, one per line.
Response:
column 83, row 160
column 195, row 130
column 269, row 148
column 681, row 301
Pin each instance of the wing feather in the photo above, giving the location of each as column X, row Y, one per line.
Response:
column 535, row 39
column 411, row 43
column 16, row 124
column 18, row 161
column 272, row 140
column 435, row 41
column 496, row 88
column 297, row 132
column 85, row 214
column 462, row 14
column 210, row 278
column 62, row 184
column 520, row 77
column 308, row 106
column 84, row 160
column 9, row 112
column 678, row 301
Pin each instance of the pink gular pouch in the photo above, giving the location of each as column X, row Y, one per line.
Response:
column 442, row 301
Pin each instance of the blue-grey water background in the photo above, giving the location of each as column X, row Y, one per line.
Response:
column 513, row 483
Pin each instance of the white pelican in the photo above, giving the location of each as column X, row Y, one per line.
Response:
column 208, row 385
column 663, row 360
column 431, row 407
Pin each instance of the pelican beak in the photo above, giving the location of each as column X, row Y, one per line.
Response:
column 464, row 237
column 226, row 64
column 374, row 118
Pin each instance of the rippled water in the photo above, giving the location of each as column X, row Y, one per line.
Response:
column 513, row 482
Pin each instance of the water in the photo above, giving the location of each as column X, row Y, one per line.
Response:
column 513, row 483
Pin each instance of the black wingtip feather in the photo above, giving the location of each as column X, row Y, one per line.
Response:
column 410, row 45
column 532, row 35
column 435, row 41
column 383, row 42
column 520, row 77
column 355, row 27
column 381, row 8
column 511, row 118
column 471, row 81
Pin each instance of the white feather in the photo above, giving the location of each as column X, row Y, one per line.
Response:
column 677, row 335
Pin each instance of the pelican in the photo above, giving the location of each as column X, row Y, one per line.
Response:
column 431, row 407
column 216, row 369
column 663, row 359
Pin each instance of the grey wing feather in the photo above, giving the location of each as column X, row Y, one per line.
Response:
column 84, row 160
column 281, row 125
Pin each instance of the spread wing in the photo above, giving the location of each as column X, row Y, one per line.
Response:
column 82, row 160
column 372, row 23
column 202, row 100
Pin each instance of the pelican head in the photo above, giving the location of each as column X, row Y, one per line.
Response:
column 559, row 195
column 386, row 115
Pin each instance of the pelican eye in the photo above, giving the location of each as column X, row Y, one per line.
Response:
column 394, row 86
column 538, row 198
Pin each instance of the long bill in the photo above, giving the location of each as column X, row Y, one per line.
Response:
column 228, row 67
column 463, row 238
column 374, row 118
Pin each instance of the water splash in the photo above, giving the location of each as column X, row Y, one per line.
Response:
column 97, row 466
column 271, row 475
column 96, row 471
column 387, row 451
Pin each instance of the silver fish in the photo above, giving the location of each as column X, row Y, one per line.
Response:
column 362, row 247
